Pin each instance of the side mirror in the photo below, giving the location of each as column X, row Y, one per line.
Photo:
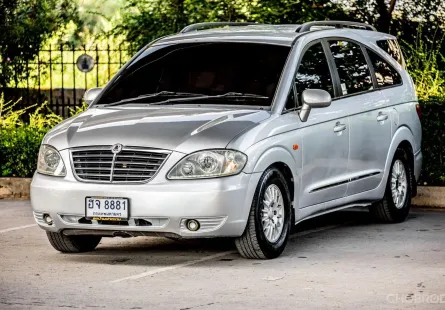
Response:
column 91, row 94
column 313, row 98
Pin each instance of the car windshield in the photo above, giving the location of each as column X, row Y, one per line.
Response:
column 201, row 73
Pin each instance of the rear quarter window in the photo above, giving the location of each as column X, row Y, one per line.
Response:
column 385, row 74
column 393, row 49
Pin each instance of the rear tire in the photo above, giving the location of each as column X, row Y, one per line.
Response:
column 395, row 205
column 269, row 223
column 72, row 244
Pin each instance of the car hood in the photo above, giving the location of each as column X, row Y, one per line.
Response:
column 170, row 128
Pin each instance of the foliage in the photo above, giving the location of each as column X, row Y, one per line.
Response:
column 389, row 15
column 402, row 18
column 145, row 20
column 20, row 140
column 25, row 25
column 433, row 141
column 423, row 62
column 296, row 12
column 18, row 150
column 424, row 65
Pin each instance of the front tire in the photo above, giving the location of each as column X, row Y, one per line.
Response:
column 395, row 205
column 72, row 244
column 269, row 223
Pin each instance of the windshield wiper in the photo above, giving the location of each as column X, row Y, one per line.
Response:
column 241, row 95
column 226, row 95
column 159, row 94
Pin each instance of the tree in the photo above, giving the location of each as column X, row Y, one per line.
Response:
column 24, row 27
column 410, row 20
column 145, row 20
column 390, row 15
column 297, row 12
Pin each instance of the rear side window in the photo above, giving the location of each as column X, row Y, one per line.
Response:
column 352, row 67
column 385, row 74
column 313, row 72
column 393, row 49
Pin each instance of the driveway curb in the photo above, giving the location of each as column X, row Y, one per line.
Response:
column 430, row 197
column 15, row 188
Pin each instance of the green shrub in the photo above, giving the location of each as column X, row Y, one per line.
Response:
column 20, row 140
column 18, row 150
column 433, row 141
column 425, row 65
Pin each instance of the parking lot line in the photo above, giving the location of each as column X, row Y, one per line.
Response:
column 210, row 257
column 16, row 228
column 159, row 270
column 313, row 231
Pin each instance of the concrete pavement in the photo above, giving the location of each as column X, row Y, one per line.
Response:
column 340, row 261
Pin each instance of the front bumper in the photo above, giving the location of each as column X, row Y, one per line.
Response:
column 221, row 205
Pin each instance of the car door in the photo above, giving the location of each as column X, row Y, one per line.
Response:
column 369, row 117
column 325, row 135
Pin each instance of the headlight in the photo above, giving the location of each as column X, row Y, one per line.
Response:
column 209, row 164
column 50, row 162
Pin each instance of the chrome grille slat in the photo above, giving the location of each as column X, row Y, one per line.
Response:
column 138, row 157
column 134, row 169
column 137, row 163
column 131, row 165
column 93, row 155
column 91, row 162
column 94, row 168
column 94, row 174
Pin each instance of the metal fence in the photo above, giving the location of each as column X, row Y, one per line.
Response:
column 61, row 74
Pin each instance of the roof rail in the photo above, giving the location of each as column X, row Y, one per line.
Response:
column 338, row 24
column 199, row 26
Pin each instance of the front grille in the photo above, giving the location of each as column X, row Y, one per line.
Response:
column 132, row 164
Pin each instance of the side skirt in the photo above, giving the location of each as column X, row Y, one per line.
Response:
column 347, row 206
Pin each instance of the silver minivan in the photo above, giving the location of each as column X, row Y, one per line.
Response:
column 235, row 130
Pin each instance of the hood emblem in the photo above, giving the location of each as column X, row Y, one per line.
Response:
column 117, row 148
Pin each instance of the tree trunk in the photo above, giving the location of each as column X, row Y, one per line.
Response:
column 384, row 20
column 181, row 20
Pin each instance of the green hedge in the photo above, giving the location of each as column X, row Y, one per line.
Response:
column 18, row 150
column 433, row 141
column 20, row 140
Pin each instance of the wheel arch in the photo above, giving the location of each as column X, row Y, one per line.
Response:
column 408, row 148
column 403, row 138
column 280, row 158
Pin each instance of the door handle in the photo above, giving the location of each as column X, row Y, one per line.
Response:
column 339, row 127
column 382, row 117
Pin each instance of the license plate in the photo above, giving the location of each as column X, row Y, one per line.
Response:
column 106, row 208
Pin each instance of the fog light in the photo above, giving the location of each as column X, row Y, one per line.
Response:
column 48, row 219
column 192, row 225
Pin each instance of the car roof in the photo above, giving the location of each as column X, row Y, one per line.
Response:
column 284, row 35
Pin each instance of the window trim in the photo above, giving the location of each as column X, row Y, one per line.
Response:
column 332, row 72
